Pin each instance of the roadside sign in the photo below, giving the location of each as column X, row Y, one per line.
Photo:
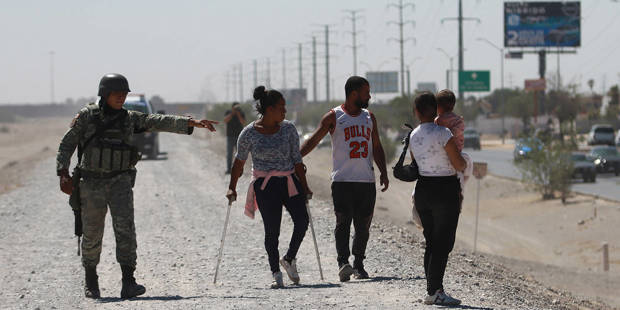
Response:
column 428, row 86
column 473, row 81
column 535, row 85
column 295, row 95
column 383, row 81
column 480, row 170
column 514, row 55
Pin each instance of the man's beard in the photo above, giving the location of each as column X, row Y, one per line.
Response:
column 361, row 104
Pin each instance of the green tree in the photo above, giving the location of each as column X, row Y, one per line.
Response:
column 522, row 107
column 614, row 95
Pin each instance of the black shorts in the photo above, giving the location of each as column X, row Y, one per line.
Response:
column 354, row 198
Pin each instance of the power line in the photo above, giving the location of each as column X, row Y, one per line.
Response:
column 460, row 20
column 354, row 33
column 327, row 63
column 401, row 40
column 283, row 68
column 314, row 83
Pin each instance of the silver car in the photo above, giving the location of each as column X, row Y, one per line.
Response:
column 601, row 134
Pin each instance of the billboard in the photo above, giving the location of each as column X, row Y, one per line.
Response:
column 383, row 81
column 427, row 86
column 535, row 85
column 295, row 95
column 542, row 24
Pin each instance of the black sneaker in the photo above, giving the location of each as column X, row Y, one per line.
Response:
column 345, row 273
column 360, row 273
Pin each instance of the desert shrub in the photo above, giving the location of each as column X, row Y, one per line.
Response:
column 547, row 169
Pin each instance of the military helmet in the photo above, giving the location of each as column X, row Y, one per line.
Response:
column 112, row 82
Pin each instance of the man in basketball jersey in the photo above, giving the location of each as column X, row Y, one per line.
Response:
column 355, row 144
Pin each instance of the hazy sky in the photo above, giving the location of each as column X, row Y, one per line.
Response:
column 182, row 50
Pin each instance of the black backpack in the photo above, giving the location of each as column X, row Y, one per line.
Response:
column 406, row 173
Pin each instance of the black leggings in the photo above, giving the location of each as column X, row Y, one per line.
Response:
column 353, row 202
column 270, row 203
column 437, row 200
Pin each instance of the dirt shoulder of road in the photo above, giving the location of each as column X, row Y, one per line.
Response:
column 23, row 144
column 558, row 245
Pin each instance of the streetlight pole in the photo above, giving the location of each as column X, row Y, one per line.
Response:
column 52, row 76
column 501, row 93
column 409, row 74
column 448, row 72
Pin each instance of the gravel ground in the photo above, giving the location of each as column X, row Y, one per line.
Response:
column 180, row 210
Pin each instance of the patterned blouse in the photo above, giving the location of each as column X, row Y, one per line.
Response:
column 278, row 151
column 427, row 143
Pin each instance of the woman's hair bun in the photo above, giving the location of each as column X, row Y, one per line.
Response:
column 259, row 92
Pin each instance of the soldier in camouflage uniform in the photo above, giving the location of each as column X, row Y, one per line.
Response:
column 103, row 132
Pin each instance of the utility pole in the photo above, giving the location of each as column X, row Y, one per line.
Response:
column 354, row 33
column 240, row 82
column 314, row 84
column 227, row 85
column 52, row 76
column 327, row 63
column 501, row 94
column 268, row 82
column 401, row 40
column 408, row 82
column 300, row 67
column 283, row 68
column 460, row 20
column 255, row 73
column 234, row 83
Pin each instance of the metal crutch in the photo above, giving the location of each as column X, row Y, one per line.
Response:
column 219, row 256
column 316, row 246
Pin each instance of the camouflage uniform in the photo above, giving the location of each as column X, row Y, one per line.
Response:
column 108, row 174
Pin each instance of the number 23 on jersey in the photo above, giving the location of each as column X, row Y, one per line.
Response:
column 358, row 149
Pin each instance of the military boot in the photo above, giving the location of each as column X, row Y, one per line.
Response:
column 91, row 284
column 130, row 287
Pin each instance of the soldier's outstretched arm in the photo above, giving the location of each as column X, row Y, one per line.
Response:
column 169, row 123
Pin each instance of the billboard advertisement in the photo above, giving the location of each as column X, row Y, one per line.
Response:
column 542, row 24
column 383, row 81
column 295, row 95
column 427, row 86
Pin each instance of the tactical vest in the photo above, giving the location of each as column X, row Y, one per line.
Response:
column 106, row 151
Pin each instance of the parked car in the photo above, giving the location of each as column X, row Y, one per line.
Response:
column 601, row 134
column 606, row 159
column 583, row 167
column 524, row 146
column 472, row 138
column 618, row 138
column 147, row 142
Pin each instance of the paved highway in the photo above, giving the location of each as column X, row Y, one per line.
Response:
column 500, row 164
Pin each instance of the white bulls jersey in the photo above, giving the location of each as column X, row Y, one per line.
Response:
column 352, row 147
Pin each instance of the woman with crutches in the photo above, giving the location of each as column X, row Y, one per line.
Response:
column 278, row 178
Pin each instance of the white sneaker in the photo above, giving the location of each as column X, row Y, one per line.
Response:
column 277, row 280
column 291, row 269
column 441, row 298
